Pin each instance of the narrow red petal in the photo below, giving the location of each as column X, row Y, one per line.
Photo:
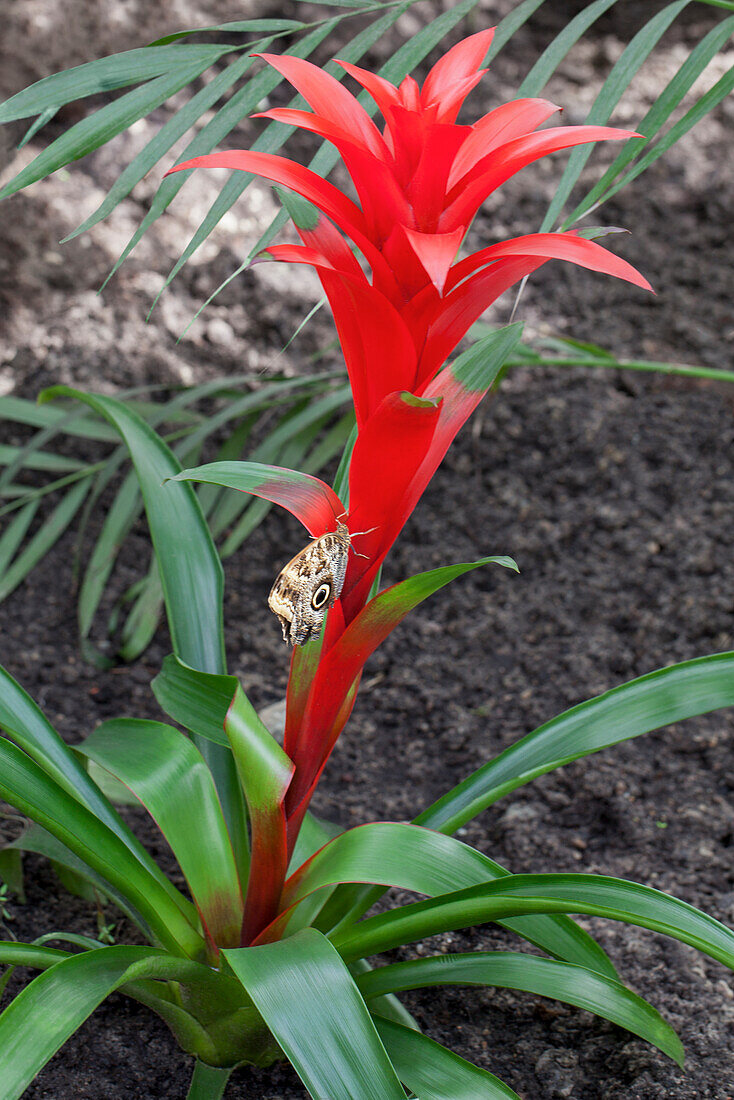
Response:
column 330, row 99
column 310, row 185
column 453, row 97
column 314, row 123
column 426, row 190
column 287, row 172
column 327, row 240
column 460, row 61
column 492, row 171
column 503, row 124
column 457, row 312
column 376, row 344
column 436, row 252
column 409, row 92
column 382, row 91
column 551, row 246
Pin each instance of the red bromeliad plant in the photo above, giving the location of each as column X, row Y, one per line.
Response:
column 420, row 182
column 269, row 955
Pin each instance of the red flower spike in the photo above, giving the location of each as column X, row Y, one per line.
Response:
column 419, row 183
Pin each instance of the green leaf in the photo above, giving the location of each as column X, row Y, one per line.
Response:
column 241, row 26
column 657, row 699
column 192, row 573
column 43, row 119
column 170, row 777
column 208, row 1082
column 21, row 411
column 47, row 536
column 39, row 840
column 659, row 112
column 511, row 23
column 333, row 1046
column 190, row 569
column 574, row 985
column 434, row 1073
column 594, row 895
column 398, row 854
column 57, row 1002
column 721, row 89
column 199, row 701
column 143, row 618
column 554, row 54
column 164, row 139
column 26, row 724
column 96, row 129
column 119, row 520
column 34, row 459
column 15, row 532
column 11, row 872
column 633, row 57
column 105, row 75
column 24, row 785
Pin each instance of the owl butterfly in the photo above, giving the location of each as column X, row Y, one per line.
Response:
column 310, row 584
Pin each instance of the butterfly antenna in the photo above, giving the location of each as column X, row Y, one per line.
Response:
column 355, row 534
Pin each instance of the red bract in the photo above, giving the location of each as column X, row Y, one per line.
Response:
column 419, row 181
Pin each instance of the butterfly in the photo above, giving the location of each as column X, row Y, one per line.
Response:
column 311, row 583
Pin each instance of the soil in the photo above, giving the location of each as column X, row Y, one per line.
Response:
column 614, row 492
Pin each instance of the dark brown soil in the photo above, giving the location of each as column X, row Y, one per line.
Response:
column 613, row 491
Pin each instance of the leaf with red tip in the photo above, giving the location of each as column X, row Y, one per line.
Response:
column 551, row 246
column 316, row 231
column 460, row 387
column 492, row 171
column 461, row 61
column 309, row 499
column 216, row 707
column 165, row 770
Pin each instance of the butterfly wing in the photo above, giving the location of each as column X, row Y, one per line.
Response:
column 309, row 585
